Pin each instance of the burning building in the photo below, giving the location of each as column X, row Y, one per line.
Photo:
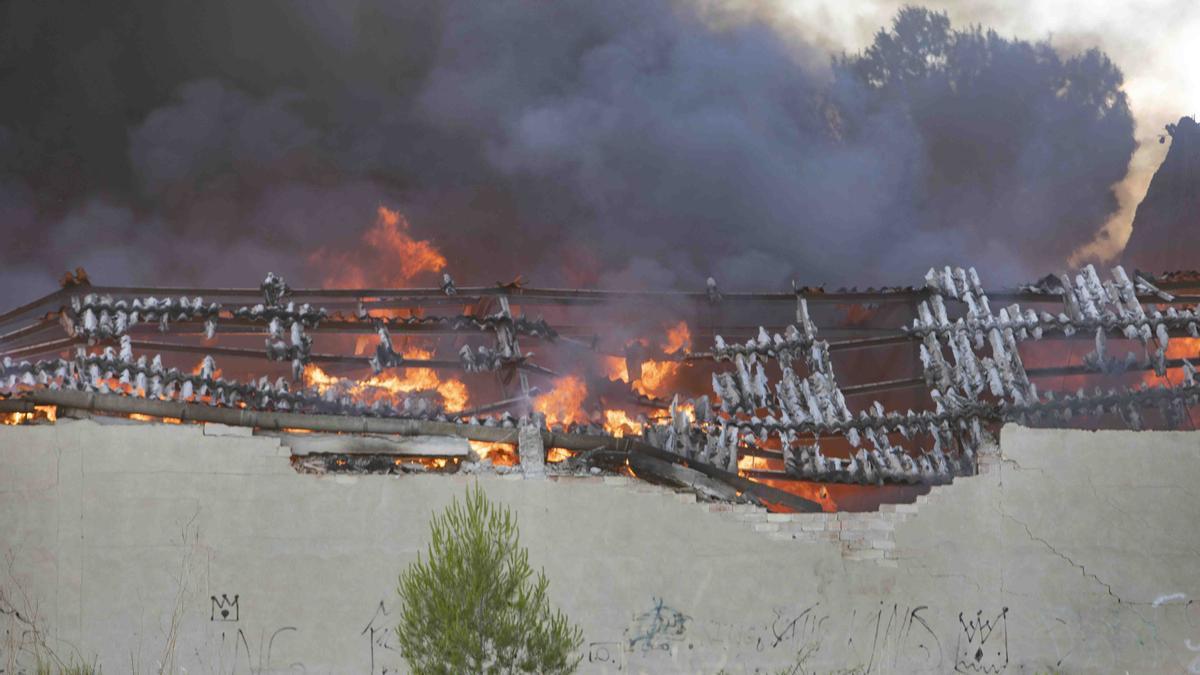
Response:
column 737, row 396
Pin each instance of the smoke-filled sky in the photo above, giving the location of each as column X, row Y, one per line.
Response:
column 598, row 142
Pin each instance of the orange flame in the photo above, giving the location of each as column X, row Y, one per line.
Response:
column 564, row 403
column 618, row 423
column 149, row 418
column 47, row 412
column 679, row 338
column 657, row 376
column 1178, row 348
column 200, row 366
column 390, row 256
column 500, row 454
column 453, row 392
column 434, row 463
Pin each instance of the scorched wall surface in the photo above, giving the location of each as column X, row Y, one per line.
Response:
column 1073, row 552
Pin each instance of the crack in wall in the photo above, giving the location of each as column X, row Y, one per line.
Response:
column 1048, row 545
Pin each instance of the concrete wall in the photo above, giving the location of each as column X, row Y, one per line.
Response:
column 1074, row 552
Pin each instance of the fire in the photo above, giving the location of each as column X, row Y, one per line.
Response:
column 814, row 492
column 616, row 368
column 618, row 423
column 149, row 418
column 46, row 412
column 555, row 455
column 390, row 256
column 500, row 454
column 453, row 392
column 14, row 419
column 564, row 403
column 679, row 338
column 657, row 376
column 1179, row 348
column 434, row 463
column 751, row 463
column 363, row 344
column 199, row 368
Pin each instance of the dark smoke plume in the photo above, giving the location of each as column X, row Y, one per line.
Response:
column 589, row 143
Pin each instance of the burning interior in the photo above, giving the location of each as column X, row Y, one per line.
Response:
column 800, row 400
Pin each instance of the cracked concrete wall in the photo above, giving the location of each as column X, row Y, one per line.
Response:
column 1073, row 552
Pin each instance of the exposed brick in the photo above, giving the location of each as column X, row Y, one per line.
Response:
column 781, row 517
column 883, row 544
column 766, row 527
column 866, row 524
column 898, row 508
column 815, row 517
column 718, row 508
column 885, row 562
column 752, row 517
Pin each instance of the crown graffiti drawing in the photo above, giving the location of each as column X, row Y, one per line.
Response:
column 224, row 609
column 982, row 643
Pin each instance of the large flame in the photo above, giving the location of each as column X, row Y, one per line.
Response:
column 389, row 256
column 564, row 403
column 657, row 376
column 453, row 392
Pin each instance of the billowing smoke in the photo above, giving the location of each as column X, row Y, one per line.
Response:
column 619, row 144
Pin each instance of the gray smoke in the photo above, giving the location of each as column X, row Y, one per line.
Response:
column 619, row 144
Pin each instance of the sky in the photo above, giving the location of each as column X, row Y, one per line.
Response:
column 1153, row 42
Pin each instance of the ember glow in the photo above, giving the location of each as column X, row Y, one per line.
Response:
column 389, row 256
column 1179, row 348
column 48, row 413
column 385, row 385
column 150, row 418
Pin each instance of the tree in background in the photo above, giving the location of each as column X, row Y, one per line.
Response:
column 473, row 606
column 1012, row 137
